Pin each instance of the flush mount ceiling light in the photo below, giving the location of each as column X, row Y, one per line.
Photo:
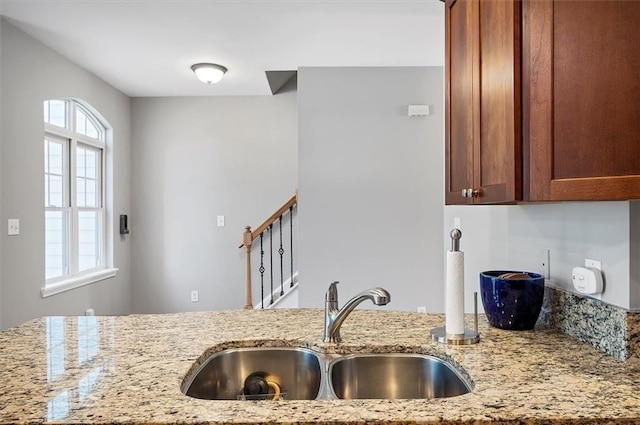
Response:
column 209, row 73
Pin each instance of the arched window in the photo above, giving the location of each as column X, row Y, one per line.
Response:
column 74, row 196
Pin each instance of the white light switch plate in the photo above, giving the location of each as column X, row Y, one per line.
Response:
column 13, row 227
column 220, row 221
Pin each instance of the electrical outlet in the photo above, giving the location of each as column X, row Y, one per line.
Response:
column 194, row 296
column 543, row 263
column 422, row 309
column 596, row 264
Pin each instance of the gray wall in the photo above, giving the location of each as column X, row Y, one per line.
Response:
column 195, row 158
column 32, row 73
column 634, row 254
column 371, row 184
column 2, row 233
column 510, row 237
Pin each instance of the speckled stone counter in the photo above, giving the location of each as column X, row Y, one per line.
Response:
column 129, row 369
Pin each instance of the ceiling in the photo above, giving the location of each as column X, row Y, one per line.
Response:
column 146, row 47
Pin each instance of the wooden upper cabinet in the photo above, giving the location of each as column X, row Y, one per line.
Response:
column 581, row 100
column 461, row 106
column 483, row 105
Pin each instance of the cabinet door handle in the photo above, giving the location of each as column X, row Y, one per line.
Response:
column 471, row 193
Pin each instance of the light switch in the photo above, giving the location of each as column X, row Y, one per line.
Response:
column 220, row 221
column 13, row 227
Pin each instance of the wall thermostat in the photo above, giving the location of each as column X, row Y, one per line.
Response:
column 587, row 280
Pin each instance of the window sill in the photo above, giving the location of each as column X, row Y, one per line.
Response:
column 76, row 282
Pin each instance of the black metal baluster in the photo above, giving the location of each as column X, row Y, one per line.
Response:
column 271, row 259
column 261, row 269
column 291, row 241
column 281, row 252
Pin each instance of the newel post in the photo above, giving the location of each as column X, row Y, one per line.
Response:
column 247, row 239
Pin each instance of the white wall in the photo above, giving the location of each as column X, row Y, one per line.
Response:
column 195, row 158
column 371, row 184
column 485, row 234
column 32, row 73
column 510, row 237
column 572, row 232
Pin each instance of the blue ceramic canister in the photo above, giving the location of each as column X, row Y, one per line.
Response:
column 512, row 300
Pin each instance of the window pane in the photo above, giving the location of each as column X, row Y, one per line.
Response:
column 89, row 241
column 90, row 193
column 55, row 157
column 81, row 193
column 57, row 112
column 56, row 195
column 54, row 190
column 92, row 130
column 81, row 120
column 46, row 190
column 80, row 162
column 87, row 183
column 85, row 125
column 91, row 164
column 56, row 244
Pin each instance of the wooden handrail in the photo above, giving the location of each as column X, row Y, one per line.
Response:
column 284, row 208
column 249, row 236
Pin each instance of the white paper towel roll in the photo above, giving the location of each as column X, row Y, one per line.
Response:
column 454, row 305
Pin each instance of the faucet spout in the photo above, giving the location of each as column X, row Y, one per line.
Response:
column 334, row 316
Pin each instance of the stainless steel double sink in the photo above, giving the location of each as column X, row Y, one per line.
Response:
column 303, row 374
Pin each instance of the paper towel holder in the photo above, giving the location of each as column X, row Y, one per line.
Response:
column 467, row 338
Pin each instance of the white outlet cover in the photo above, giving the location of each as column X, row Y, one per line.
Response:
column 594, row 264
column 544, row 264
column 13, row 227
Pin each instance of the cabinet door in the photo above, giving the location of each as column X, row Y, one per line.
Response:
column 583, row 99
column 483, row 131
column 498, row 156
column 461, row 106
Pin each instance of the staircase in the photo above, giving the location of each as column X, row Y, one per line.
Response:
column 274, row 273
column 289, row 299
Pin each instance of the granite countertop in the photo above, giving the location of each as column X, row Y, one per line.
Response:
column 129, row 369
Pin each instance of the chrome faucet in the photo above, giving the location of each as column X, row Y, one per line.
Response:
column 334, row 316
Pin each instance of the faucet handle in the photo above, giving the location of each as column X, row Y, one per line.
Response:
column 332, row 292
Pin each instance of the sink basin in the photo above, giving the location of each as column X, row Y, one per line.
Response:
column 296, row 372
column 394, row 376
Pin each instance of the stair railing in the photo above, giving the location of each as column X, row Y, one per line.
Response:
column 249, row 236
